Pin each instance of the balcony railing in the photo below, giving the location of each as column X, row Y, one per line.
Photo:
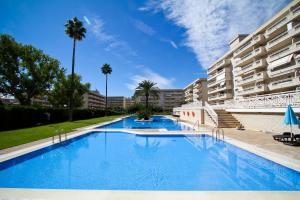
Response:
column 283, row 52
column 255, row 77
column 255, row 53
column 216, row 74
column 285, row 83
column 277, row 25
column 252, row 66
column 285, row 70
column 253, row 90
column 275, row 100
column 255, row 40
column 221, row 63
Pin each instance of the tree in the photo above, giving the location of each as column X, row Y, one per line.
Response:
column 25, row 72
column 76, row 31
column 147, row 89
column 59, row 96
column 106, row 69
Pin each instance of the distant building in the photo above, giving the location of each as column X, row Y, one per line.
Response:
column 167, row 100
column 196, row 91
column 128, row 102
column 116, row 102
column 94, row 100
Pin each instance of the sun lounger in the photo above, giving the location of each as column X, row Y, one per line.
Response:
column 286, row 136
column 295, row 141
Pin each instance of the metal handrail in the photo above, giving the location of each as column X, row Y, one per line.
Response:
column 218, row 132
column 197, row 122
column 59, row 133
column 211, row 113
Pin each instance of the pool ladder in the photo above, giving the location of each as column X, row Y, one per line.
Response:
column 198, row 125
column 59, row 133
column 217, row 132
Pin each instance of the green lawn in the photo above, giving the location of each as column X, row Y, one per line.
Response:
column 22, row 136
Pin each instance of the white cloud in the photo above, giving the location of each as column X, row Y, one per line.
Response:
column 140, row 25
column 147, row 74
column 114, row 45
column 211, row 24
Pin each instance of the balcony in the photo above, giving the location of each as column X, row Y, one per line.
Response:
column 285, row 83
column 258, row 39
column 219, row 64
column 253, row 90
column 246, row 59
column 224, row 70
column 219, row 89
column 276, row 27
column 295, row 12
column 284, row 52
column 279, row 71
column 252, row 66
column 220, row 97
column 279, row 41
column 260, row 76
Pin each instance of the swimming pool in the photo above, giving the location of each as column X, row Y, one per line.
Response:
column 158, row 122
column 123, row 161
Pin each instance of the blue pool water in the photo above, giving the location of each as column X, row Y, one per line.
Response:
column 157, row 123
column 121, row 161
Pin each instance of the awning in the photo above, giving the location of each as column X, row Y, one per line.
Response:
column 281, row 61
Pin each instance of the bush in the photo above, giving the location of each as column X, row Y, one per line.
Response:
column 143, row 115
column 16, row 116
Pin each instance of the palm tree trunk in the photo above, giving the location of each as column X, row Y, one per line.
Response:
column 72, row 84
column 147, row 103
column 106, row 95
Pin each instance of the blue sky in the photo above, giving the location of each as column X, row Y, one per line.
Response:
column 170, row 42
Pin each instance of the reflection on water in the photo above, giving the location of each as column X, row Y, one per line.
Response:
column 157, row 123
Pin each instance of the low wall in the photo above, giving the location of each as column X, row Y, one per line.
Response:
column 191, row 115
column 271, row 122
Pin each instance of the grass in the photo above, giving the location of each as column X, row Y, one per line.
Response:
column 21, row 136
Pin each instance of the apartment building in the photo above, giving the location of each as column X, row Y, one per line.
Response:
column 220, row 80
column 116, row 102
column 196, row 91
column 93, row 100
column 264, row 62
column 167, row 99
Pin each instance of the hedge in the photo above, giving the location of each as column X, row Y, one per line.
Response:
column 14, row 117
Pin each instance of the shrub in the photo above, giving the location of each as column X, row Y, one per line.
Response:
column 143, row 115
column 16, row 116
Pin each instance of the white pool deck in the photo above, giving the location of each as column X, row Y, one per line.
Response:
column 15, row 194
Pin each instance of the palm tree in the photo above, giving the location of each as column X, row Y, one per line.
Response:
column 147, row 89
column 106, row 69
column 74, row 29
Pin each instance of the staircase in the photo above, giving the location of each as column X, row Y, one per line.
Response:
column 226, row 120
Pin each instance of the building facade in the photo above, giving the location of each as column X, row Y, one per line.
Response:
column 116, row 102
column 167, row 99
column 196, row 91
column 264, row 62
column 94, row 100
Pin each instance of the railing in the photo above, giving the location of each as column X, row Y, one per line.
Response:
column 59, row 133
column 279, row 100
column 198, row 125
column 210, row 111
column 192, row 105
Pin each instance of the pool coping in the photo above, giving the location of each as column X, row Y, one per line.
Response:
column 145, row 195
